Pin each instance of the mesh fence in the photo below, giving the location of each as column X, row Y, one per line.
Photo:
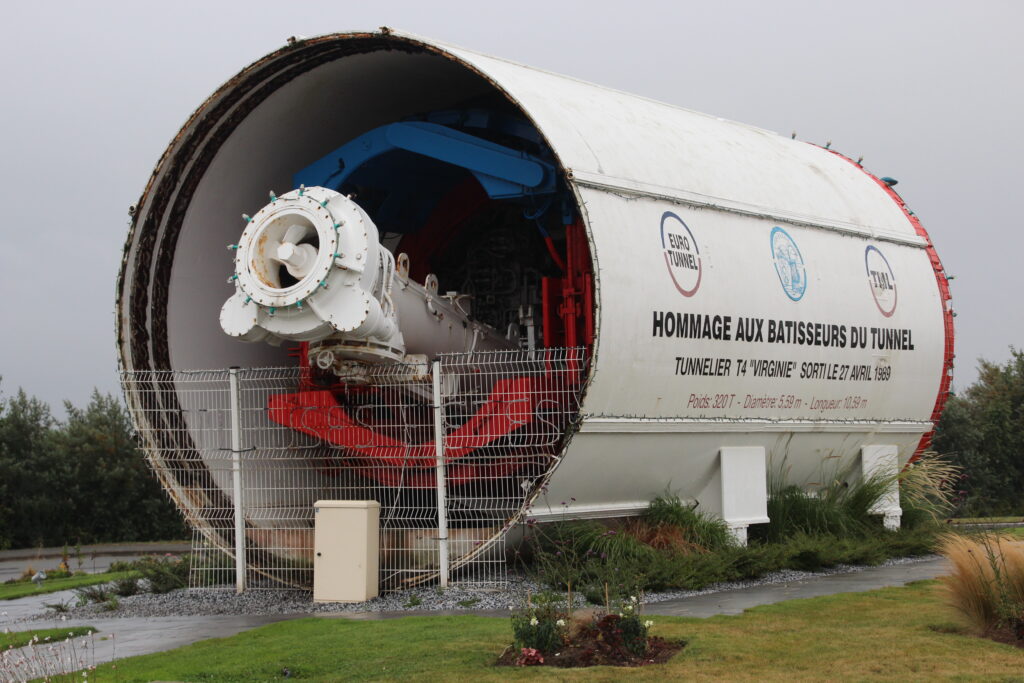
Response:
column 503, row 420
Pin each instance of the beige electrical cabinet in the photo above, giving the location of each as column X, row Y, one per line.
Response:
column 346, row 550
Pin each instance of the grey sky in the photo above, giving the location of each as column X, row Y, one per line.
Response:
column 928, row 92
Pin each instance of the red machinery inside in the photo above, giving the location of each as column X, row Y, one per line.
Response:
column 320, row 407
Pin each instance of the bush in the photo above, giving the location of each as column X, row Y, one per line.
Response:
column 929, row 489
column 671, row 546
column 755, row 560
column 987, row 582
column 699, row 531
column 164, row 574
column 983, row 427
column 624, row 627
column 126, row 587
column 690, row 571
column 792, row 512
column 601, row 581
column 78, row 480
column 97, row 593
column 912, row 542
column 845, row 508
column 545, row 633
column 541, row 625
column 568, row 554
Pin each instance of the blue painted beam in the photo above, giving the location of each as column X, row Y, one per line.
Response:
column 503, row 172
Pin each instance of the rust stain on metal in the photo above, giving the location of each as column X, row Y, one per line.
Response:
column 258, row 265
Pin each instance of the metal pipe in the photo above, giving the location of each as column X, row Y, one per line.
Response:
column 236, row 478
column 442, row 517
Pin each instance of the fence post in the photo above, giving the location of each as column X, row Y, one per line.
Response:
column 236, row 478
column 439, row 470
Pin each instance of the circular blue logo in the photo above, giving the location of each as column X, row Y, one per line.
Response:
column 789, row 264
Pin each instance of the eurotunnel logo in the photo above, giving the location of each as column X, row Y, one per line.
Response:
column 881, row 280
column 682, row 255
column 789, row 264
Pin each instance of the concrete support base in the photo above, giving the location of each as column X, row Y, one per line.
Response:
column 744, row 489
column 739, row 534
column 891, row 521
column 883, row 461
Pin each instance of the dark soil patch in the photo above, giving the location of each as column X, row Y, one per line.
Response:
column 659, row 650
column 603, row 640
column 1008, row 636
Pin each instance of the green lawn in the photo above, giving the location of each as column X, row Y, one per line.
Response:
column 10, row 591
column 894, row 633
column 22, row 638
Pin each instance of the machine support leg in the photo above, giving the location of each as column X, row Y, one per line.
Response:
column 442, row 516
column 236, row 478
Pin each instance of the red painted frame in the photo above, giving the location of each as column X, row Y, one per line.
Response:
column 947, row 311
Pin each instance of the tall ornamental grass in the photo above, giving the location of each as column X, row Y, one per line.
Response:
column 845, row 505
column 667, row 523
column 987, row 581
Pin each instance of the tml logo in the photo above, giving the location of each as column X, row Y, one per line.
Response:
column 881, row 280
column 682, row 255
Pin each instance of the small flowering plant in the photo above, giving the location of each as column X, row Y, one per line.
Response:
column 529, row 656
column 541, row 625
column 628, row 625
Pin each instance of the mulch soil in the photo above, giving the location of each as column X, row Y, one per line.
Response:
column 585, row 652
column 1008, row 636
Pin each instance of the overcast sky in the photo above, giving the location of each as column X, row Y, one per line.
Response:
column 928, row 92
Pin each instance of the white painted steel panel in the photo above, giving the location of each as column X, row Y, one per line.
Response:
column 621, row 136
column 642, row 370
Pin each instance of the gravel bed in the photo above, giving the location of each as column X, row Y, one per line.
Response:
column 215, row 602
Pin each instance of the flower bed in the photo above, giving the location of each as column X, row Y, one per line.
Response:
column 547, row 633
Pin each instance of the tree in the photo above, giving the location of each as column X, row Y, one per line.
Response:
column 115, row 495
column 29, row 476
column 82, row 481
column 983, row 429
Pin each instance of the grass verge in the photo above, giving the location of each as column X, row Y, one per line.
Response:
column 10, row 591
column 22, row 638
column 889, row 634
